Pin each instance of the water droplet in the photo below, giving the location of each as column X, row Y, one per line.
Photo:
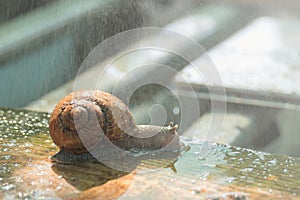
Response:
column 204, row 176
column 196, row 190
column 20, row 195
column 234, row 153
column 176, row 110
column 270, row 190
column 230, row 179
column 58, row 188
column 209, row 165
column 246, row 169
column 44, row 181
column 238, row 148
column 27, row 151
column 201, row 157
column 7, row 187
column 27, row 144
column 7, row 157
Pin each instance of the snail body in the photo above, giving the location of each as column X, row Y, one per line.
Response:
column 82, row 120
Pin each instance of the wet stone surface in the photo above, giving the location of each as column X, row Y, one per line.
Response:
column 205, row 171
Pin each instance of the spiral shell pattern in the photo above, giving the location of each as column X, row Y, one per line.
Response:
column 89, row 115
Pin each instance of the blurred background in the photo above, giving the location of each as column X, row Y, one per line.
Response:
column 254, row 45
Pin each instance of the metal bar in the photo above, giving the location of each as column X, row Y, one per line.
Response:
column 244, row 97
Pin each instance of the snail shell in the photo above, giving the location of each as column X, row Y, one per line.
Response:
column 92, row 115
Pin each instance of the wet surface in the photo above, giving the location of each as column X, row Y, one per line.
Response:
column 206, row 170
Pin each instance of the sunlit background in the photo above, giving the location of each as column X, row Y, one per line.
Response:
column 254, row 45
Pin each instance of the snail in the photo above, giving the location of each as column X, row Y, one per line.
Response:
column 82, row 120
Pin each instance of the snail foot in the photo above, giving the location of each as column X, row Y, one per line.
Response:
column 68, row 158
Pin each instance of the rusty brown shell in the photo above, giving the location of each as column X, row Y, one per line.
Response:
column 88, row 115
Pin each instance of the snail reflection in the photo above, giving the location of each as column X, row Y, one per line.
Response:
column 86, row 175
